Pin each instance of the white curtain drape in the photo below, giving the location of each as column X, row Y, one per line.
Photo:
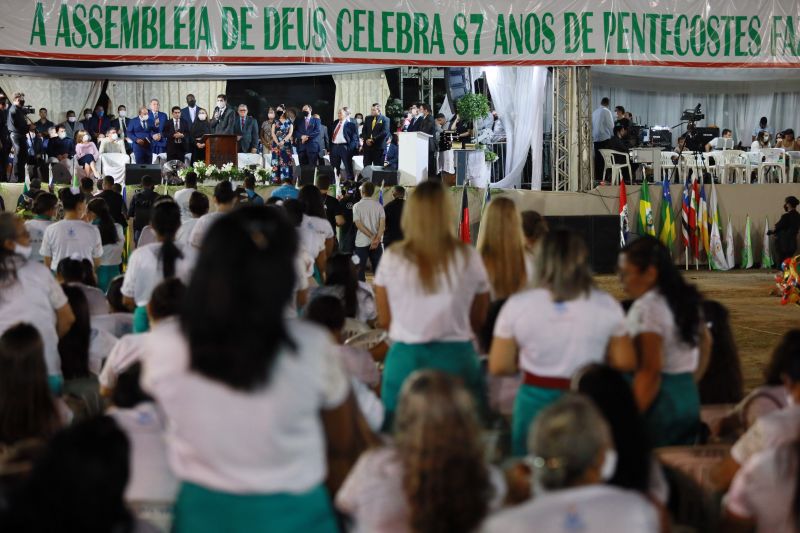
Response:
column 133, row 94
column 58, row 96
column 518, row 95
column 359, row 91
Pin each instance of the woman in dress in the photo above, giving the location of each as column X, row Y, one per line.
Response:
column 113, row 239
column 200, row 127
column 282, row 160
column 266, row 128
column 86, row 155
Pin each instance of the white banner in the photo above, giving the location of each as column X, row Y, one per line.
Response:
column 711, row 33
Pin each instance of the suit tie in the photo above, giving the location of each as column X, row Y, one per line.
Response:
column 242, row 123
column 336, row 131
column 177, row 126
column 122, row 124
column 308, row 121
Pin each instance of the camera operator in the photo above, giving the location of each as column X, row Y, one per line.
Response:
column 18, row 130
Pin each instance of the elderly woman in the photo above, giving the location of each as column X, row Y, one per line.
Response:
column 572, row 455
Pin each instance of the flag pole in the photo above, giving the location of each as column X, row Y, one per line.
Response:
column 686, row 256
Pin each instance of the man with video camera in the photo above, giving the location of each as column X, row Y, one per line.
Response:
column 18, row 129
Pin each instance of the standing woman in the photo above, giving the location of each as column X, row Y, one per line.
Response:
column 266, row 129
column 671, row 339
column 282, row 160
column 71, row 237
column 501, row 245
column 200, row 127
column 152, row 263
column 113, row 239
column 45, row 207
column 314, row 216
column 30, row 293
column 553, row 330
column 244, row 375
column 432, row 294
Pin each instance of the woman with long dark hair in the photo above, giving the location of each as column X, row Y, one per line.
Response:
column 71, row 237
column 113, row 239
column 723, row 381
column 45, row 207
column 200, row 127
column 314, row 218
column 672, row 341
column 152, row 263
column 29, row 293
column 341, row 280
column 240, row 363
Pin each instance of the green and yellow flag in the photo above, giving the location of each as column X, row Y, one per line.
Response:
column 668, row 233
column 644, row 222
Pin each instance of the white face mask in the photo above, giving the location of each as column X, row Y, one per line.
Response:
column 609, row 465
column 86, row 138
column 359, row 120
column 62, row 134
column 87, row 116
column 114, row 136
column 24, row 251
column 122, row 113
column 71, row 119
column 143, row 117
column 220, row 103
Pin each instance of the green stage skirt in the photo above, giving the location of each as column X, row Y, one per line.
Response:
column 674, row 417
column 458, row 358
column 105, row 273
column 140, row 321
column 201, row 510
column 529, row 402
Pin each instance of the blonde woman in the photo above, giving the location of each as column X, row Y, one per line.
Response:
column 575, row 324
column 501, row 245
column 432, row 293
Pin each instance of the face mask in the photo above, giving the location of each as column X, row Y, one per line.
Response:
column 360, row 121
column 271, row 116
column 220, row 103
column 86, row 138
column 305, row 114
column 24, row 251
column 62, row 134
column 143, row 117
column 22, row 102
column 278, row 113
column 191, row 103
column 71, row 120
column 114, row 136
column 201, row 116
column 609, row 465
column 87, row 116
column 101, row 113
column 122, row 113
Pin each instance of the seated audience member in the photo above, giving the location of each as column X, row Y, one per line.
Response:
column 71, row 237
column 572, row 456
column 722, row 381
column 314, row 218
column 437, row 453
column 761, row 129
column 151, row 478
column 113, row 143
column 198, row 207
column 214, row 361
column 563, row 307
column 328, row 312
column 115, row 202
column 81, row 274
column 87, row 156
column 141, row 206
column 164, row 304
column 534, row 227
column 80, row 481
column 762, row 141
column 250, row 189
column 182, row 196
column 287, row 190
column 45, row 207
column 26, row 199
column 342, row 281
column 787, row 141
column 28, row 409
column 62, row 147
column 119, row 320
column 720, row 143
column 113, row 239
column 617, row 143
column 311, row 243
column 224, row 200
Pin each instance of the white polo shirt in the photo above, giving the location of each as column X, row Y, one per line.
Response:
column 112, row 253
column 418, row 316
column 128, row 350
column 145, row 271
column 70, row 239
column 263, row 441
column 369, row 212
column 319, row 225
column 36, row 229
column 555, row 339
column 182, row 198
column 201, row 227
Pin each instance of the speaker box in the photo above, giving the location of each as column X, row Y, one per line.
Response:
column 601, row 233
column 304, row 174
column 135, row 173
column 387, row 177
column 457, row 85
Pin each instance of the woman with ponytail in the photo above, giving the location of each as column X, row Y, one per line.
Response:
column 113, row 240
column 71, row 237
column 152, row 263
column 672, row 341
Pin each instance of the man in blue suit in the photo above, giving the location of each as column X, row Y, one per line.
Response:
column 140, row 131
column 158, row 121
column 246, row 130
column 344, row 143
column 99, row 124
column 306, row 129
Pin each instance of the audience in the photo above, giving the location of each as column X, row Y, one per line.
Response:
column 722, row 381
column 341, row 280
column 79, row 273
column 198, row 206
column 113, row 239
column 501, row 244
column 71, row 237
column 224, row 201
column 45, row 207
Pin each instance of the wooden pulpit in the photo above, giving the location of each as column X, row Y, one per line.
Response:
column 221, row 149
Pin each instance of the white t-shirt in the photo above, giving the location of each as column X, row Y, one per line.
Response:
column 588, row 509
column 185, row 231
column 36, row 229
column 201, row 227
column 98, row 304
column 418, row 316
column 763, row 490
column 71, row 238
column 151, row 478
column 33, row 298
column 303, row 270
column 145, row 271
column 127, row 350
column 555, row 339
column 365, row 297
column 101, row 343
column 279, row 443
column 369, row 212
column 320, row 225
column 651, row 314
column 310, row 241
column 118, row 324
column 769, row 432
column 112, row 253
column 373, row 493
column 182, row 198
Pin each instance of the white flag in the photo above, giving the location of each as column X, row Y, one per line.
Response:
column 717, row 254
column 729, row 254
column 766, row 256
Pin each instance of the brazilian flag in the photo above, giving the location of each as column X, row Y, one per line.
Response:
column 644, row 222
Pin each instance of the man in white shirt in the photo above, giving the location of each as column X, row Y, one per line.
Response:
column 602, row 131
column 718, row 143
column 370, row 221
column 182, row 196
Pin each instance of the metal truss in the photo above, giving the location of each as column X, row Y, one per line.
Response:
column 572, row 148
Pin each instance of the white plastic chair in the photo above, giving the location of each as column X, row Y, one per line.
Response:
column 156, row 513
column 368, row 339
column 773, row 160
column 615, row 168
column 690, row 161
column 667, row 165
column 114, row 165
column 794, row 164
column 247, row 159
column 732, row 161
column 353, row 327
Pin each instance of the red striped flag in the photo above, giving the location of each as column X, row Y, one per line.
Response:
column 463, row 226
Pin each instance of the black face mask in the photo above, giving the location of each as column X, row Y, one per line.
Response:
column 191, row 103
column 278, row 113
column 305, row 114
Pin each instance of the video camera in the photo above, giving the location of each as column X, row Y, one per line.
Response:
column 693, row 115
column 28, row 109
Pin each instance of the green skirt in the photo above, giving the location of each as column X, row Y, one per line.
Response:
column 458, row 358
column 201, row 510
column 56, row 383
column 105, row 273
column 674, row 417
column 529, row 402
column 140, row 321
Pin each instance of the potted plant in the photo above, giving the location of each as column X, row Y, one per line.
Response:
column 472, row 107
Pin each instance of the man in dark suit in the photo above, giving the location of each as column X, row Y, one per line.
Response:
column 176, row 133
column 323, row 140
column 246, row 130
column 18, row 130
column 428, row 125
column 189, row 113
column 121, row 125
column 375, row 135
column 394, row 212
column 224, row 118
column 5, row 138
column 416, row 118
column 116, row 205
column 306, row 130
column 158, row 120
column 98, row 124
column 344, row 143
column 140, row 131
